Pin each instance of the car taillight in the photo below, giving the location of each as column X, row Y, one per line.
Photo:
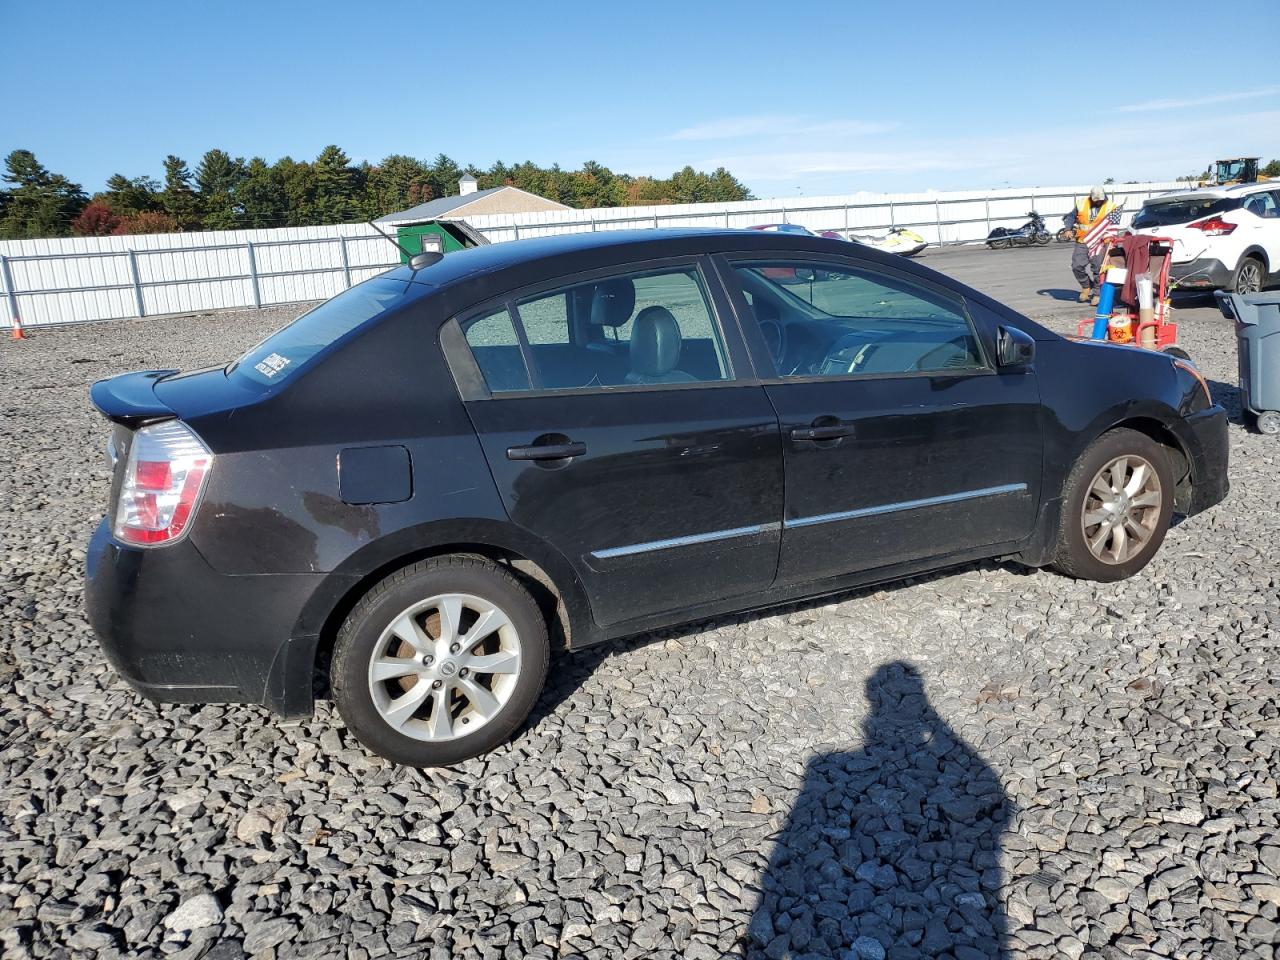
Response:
column 163, row 478
column 1213, row 226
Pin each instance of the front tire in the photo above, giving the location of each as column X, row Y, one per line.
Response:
column 1116, row 507
column 440, row 662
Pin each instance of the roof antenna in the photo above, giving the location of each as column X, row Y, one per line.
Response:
column 417, row 261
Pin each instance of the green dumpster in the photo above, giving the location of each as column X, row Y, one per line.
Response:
column 444, row 236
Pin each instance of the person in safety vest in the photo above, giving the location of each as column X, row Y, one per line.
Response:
column 1086, row 258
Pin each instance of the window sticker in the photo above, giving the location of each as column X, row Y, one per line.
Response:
column 271, row 364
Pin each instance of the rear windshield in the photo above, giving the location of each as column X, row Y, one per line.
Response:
column 287, row 350
column 1172, row 212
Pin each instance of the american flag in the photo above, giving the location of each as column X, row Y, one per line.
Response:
column 1102, row 231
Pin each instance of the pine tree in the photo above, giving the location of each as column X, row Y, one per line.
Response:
column 299, row 182
column 41, row 204
column 335, row 197
column 444, row 176
column 178, row 199
column 128, row 198
column 261, row 196
column 395, row 184
column 217, row 178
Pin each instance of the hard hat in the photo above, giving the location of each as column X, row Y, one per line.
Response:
column 1097, row 194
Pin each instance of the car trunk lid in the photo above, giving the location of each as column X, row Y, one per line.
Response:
column 130, row 398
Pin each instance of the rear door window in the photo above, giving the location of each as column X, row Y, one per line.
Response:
column 1262, row 204
column 624, row 330
column 289, row 349
column 496, row 347
column 1171, row 213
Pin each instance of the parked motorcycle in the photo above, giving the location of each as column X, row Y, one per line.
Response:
column 1068, row 232
column 899, row 240
column 1032, row 232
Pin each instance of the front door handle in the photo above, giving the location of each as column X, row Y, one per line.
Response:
column 823, row 429
column 547, row 451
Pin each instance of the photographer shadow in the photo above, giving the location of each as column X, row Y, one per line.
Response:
column 891, row 851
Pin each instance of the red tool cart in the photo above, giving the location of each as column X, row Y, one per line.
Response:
column 1152, row 328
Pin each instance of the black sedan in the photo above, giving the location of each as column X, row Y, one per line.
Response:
column 417, row 488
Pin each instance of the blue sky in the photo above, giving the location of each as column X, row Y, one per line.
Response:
column 804, row 98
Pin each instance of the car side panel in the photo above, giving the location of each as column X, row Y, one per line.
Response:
column 274, row 504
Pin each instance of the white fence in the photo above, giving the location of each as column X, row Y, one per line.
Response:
column 46, row 282
column 941, row 218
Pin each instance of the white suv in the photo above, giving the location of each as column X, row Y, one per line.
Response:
column 1224, row 238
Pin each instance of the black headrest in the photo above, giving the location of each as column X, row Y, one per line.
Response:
column 612, row 302
column 655, row 342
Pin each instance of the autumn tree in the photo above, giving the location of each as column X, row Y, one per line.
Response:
column 148, row 221
column 95, row 220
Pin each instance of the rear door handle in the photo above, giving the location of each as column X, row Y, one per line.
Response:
column 825, row 431
column 547, row 451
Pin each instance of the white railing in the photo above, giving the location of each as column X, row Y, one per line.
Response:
column 57, row 281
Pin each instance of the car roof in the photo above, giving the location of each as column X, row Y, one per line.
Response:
column 623, row 244
column 1219, row 192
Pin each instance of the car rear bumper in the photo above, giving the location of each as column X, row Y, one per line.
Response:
column 180, row 632
column 1201, row 274
column 1205, row 437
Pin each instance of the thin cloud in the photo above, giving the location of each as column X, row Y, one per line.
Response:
column 795, row 165
column 737, row 128
column 1026, row 156
column 1150, row 105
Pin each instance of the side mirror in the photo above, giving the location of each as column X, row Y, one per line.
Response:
column 1014, row 348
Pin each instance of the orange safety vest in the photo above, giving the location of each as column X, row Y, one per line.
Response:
column 1084, row 221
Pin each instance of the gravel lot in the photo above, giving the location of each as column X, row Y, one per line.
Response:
column 984, row 763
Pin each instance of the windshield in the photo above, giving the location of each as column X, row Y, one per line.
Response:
column 287, row 350
column 1168, row 213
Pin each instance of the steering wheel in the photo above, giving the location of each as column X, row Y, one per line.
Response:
column 773, row 331
column 775, row 339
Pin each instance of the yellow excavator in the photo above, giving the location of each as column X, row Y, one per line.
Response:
column 1225, row 173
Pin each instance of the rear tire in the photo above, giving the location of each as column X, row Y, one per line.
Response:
column 1110, row 530
column 1268, row 422
column 438, row 647
column 1248, row 276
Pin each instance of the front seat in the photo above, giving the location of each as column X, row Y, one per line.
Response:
column 612, row 302
column 655, row 348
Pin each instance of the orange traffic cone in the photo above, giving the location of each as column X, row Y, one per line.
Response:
column 17, row 330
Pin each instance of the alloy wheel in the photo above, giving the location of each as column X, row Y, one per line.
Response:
column 1249, row 280
column 445, row 667
column 1121, row 509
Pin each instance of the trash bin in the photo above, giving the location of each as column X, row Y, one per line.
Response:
column 1257, row 320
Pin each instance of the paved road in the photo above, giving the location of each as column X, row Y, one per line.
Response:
column 1038, row 281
